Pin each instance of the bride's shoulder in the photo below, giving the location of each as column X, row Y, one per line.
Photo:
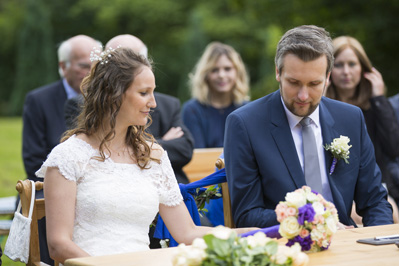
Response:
column 156, row 150
column 74, row 143
column 82, row 137
column 87, row 141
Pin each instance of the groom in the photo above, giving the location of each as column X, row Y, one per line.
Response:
column 264, row 150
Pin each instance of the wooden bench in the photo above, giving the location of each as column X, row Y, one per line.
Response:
column 202, row 164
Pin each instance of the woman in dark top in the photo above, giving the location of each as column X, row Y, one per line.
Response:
column 355, row 81
column 219, row 85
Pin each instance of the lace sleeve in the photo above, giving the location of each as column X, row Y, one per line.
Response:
column 169, row 192
column 68, row 158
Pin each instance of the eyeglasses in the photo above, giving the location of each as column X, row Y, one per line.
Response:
column 80, row 65
column 83, row 65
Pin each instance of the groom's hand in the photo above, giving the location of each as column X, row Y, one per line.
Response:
column 341, row 226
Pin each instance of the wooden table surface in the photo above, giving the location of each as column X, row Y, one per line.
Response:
column 344, row 250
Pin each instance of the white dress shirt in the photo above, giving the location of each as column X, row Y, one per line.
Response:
column 296, row 131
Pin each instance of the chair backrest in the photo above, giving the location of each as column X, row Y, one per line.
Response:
column 24, row 188
column 227, row 214
column 202, row 163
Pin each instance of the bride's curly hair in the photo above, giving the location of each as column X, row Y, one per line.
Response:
column 103, row 90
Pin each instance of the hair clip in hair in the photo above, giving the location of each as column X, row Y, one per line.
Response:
column 101, row 56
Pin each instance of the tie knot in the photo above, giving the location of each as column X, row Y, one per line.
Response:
column 305, row 121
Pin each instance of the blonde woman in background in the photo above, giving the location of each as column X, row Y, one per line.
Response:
column 355, row 81
column 219, row 85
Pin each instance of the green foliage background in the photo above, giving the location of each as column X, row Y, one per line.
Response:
column 11, row 167
column 177, row 31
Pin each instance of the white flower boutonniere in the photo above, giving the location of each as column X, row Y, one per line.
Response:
column 339, row 149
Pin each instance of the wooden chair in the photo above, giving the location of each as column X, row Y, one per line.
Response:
column 202, row 164
column 227, row 214
column 24, row 189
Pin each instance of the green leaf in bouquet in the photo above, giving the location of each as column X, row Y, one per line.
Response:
column 271, row 247
column 208, row 241
column 221, row 247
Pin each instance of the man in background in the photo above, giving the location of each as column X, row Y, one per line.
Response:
column 43, row 113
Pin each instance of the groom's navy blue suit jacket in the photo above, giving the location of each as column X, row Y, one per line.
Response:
column 262, row 164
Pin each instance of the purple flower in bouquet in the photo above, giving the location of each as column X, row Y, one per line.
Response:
column 306, row 213
column 306, row 243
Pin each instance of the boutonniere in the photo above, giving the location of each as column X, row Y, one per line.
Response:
column 339, row 149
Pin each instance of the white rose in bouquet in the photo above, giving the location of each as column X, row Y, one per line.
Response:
column 289, row 228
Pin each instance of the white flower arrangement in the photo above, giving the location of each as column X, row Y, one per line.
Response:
column 308, row 219
column 339, row 149
column 222, row 246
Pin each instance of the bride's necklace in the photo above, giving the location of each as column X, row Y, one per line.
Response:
column 120, row 152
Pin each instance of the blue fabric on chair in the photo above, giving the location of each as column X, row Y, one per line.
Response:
column 215, row 212
column 187, row 190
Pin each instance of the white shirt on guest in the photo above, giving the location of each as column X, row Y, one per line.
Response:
column 296, row 131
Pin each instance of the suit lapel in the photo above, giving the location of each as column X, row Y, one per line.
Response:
column 329, row 132
column 283, row 138
column 327, row 123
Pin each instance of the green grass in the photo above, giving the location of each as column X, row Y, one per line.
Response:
column 11, row 166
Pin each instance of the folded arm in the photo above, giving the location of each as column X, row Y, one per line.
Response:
column 180, row 146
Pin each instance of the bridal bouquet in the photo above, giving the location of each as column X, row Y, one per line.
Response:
column 308, row 219
column 222, row 246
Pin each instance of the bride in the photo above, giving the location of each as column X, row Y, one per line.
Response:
column 108, row 179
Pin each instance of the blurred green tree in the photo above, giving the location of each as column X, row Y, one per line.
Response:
column 11, row 16
column 36, row 64
column 176, row 33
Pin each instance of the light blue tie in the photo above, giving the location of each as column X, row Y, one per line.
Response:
column 310, row 156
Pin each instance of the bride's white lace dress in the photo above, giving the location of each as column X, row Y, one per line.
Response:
column 115, row 203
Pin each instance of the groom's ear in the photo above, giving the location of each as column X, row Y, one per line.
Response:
column 277, row 75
